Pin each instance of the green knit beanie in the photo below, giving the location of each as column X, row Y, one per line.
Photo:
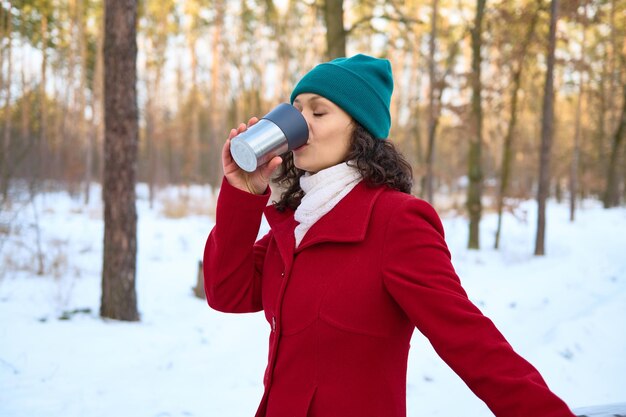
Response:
column 360, row 85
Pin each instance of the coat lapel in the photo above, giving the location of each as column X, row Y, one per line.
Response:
column 282, row 225
column 346, row 222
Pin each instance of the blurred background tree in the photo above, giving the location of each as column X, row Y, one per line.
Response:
column 207, row 65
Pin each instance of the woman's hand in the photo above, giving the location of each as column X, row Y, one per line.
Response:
column 253, row 182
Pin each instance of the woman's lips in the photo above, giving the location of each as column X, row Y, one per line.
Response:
column 301, row 147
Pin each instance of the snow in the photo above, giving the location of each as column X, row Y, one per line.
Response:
column 563, row 312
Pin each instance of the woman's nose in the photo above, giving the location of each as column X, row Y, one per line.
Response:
column 308, row 116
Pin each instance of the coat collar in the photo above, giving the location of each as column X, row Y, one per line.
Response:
column 346, row 222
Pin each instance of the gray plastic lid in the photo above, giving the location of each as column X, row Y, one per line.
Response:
column 291, row 121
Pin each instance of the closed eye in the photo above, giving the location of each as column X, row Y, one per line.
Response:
column 318, row 114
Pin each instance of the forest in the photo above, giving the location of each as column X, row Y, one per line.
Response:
column 491, row 106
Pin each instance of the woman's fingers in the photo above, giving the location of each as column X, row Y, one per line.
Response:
column 227, row 159
column 226, row 156
column 242, row 127
column 252, row 121
column 253, row 182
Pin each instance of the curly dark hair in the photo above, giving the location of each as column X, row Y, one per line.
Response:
column 379, row 162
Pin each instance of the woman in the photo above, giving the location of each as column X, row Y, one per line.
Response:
column 351, row 265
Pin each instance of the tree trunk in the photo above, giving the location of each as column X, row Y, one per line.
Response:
column 43, row 132
column 601, row 111
column 193, row 153
column 573, row 175
column 507, row 151
column 611, row 194
column 335, row 31
column 119, row 299
column 26, row 138
column 573, row 183
column 2, row 36
column 397, row 58
column 25, row 134
column 67, row 137
column 432, row 116
column 84, row 137
column 475, row 174
column 216, row 116
column 58, row 126
column 414, row 126
column 155, row 167
column 97, row 105
column 613, row 64
column 547, row 128
column 198, row 290
column 6, row 142
column 284, row 27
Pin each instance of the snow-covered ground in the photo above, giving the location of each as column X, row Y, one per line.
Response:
column 564, row 312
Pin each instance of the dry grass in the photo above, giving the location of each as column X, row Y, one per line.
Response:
column 177, row 207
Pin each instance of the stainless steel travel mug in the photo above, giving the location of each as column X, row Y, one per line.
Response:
column 281, row 130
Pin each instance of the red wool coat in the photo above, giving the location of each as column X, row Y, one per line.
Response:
column 342, row 307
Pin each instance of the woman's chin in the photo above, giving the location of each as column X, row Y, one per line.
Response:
column 301, row 164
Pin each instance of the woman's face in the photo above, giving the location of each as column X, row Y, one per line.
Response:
column 330, row 133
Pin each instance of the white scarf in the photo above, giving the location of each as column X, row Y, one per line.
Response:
column 323, row 190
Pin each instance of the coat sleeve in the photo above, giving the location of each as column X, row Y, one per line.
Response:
column 418, row 273
column 233, row 262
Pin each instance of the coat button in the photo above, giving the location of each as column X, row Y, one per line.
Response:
column 282, row 274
